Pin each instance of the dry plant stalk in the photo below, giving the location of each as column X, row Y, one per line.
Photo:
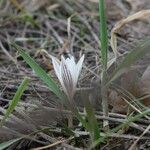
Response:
column 139, row 15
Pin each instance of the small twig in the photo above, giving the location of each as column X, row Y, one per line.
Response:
column 60, row 40
column 121, row 116
column 135, row 142
column 7, row 53
column 70, row 147
column 52, row 145
column 84, row 133
column 91, row 30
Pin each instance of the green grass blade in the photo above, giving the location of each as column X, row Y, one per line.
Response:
column 103, row 33
column 47, row 79
column 8, row 143
column 137, row 53
column 15, row 99
column 92, row 121
column 104, row 55
column 89, row 123
column 81, row 119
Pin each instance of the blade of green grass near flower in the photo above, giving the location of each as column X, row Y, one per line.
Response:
column 104, row 55
column 103, row 33
column 142, row 49
column 92, row 121
column 47, row 79
column 15, row 99
column 82, row 119
column 4, row 145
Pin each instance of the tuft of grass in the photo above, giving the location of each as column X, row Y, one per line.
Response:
column 91, row 125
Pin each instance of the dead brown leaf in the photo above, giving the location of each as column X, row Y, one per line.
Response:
column 137, row 87
column 139, row 15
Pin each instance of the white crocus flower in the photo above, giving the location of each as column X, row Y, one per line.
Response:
column 67, row 71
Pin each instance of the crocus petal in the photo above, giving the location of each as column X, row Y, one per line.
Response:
column 62, row 58
column 56, row 65
column 67, row 79
column 80, row 62
column 71, row 66
column 79, row 67
column 70, row 63
column 72, row 60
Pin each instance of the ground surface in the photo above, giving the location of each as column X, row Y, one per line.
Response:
column 43, row 25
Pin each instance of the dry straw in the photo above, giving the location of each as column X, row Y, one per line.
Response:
column 137, row 16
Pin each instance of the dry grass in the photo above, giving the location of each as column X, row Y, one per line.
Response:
column 60, row 27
